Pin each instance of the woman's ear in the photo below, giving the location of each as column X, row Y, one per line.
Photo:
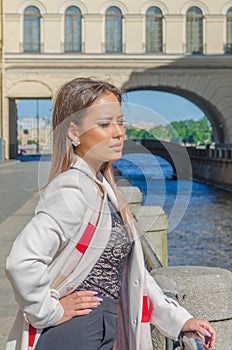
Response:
column 72, row 134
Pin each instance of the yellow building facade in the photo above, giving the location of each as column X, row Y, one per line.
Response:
column 178, row 46
column 93, row 18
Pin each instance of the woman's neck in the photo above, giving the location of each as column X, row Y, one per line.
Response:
column 93, row 164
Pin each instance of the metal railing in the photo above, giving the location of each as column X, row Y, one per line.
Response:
column 187, row 341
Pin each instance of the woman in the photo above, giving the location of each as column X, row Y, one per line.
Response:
column 77, row 268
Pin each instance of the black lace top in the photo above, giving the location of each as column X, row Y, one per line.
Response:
column 106, row 275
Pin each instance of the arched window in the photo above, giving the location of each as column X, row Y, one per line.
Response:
column 194, row 30
column 73, row 29
column 113, row 33
column 228, row 48
column 154, row 30
column 31, row 33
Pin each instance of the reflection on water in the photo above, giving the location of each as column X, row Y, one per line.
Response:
column 200, row 225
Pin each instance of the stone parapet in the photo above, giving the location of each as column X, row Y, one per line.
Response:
column 132, row 194
column 153, row 223
column 205, row 292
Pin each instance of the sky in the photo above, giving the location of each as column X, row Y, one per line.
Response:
column 147, row 105
column 28, row 108
column 169, row 106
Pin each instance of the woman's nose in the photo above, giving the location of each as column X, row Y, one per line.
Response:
column 118, row 130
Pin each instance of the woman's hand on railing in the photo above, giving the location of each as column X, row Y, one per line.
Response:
column 204, row 328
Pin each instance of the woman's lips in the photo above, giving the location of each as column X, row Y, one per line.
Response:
column 117, row 147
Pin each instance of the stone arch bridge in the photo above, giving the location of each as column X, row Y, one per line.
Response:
column 173, row 153
column 205, row 81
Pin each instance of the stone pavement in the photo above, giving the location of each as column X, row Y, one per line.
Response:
column 18, row 183
column 17, row 202
column 9, row 229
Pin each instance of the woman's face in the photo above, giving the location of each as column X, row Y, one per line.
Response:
column 101, row 133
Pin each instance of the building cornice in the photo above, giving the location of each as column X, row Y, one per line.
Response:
column 101, row 61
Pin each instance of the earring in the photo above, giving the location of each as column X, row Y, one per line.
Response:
column 75, row 142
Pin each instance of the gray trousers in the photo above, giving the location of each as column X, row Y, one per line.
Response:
column 95, row 331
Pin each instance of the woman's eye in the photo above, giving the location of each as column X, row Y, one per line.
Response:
column 108, row 123
column 104, row 124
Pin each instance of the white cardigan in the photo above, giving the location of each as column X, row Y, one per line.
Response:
column 61, row 215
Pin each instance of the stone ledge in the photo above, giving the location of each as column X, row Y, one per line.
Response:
column 132, row 194
column 204, row 291
column 151, row 218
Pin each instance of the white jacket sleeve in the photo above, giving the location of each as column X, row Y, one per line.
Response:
column 166, row 314
column 35, row 248
column 26, row 267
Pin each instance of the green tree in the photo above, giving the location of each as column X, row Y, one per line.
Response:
column 138, row 134
column 197, row 132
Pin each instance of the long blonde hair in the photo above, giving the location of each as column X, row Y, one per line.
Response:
column 70, row 102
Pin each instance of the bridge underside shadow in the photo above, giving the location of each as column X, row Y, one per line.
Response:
column 173, row 153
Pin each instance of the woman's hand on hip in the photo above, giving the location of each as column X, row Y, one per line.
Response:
column 203, row 327
column 78, row 303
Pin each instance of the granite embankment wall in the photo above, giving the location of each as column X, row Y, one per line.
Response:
column 205, row 291
column 213, row 166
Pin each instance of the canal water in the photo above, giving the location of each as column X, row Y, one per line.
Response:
column 200, row 215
